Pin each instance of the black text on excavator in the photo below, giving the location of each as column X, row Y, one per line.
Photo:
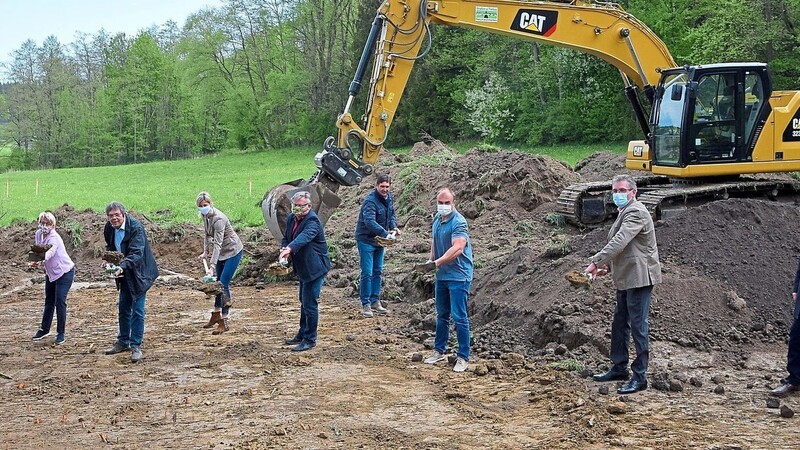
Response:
column 709, row 124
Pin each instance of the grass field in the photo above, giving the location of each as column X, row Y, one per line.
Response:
column 236, row 181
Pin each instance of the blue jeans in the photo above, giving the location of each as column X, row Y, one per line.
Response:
column 309, row 309
column 630, row 318
column 225, row 269
column 55, row 298
column 451, row 301
column 131, row 318
column 371, row 270
column 793, row 355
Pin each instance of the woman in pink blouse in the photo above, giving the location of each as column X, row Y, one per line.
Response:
column 59, row 273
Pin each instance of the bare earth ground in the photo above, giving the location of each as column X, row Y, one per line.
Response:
column 718, row 327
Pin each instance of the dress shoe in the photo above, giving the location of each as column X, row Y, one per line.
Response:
column 117, row 348
column 785, row 390
column 610, row 376
column 293, row 341
column 303, row 346
column 632, row 386
column 136, row 354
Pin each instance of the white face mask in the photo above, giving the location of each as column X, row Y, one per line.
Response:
column 44, row 229
column 444, row 210
column 204, row 210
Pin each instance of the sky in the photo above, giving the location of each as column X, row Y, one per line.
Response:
column 37, row 19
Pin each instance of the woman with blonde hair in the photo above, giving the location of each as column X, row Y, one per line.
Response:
column 225, row 254
column 59, row 273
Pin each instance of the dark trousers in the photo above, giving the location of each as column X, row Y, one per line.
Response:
column 309, row 309
column 55, row 298
column 630, row 319
column 793, row 355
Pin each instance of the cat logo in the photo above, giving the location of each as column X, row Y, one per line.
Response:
column 535, row 21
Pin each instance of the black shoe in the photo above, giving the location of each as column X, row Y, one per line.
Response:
column 303, row 346
column 41, row 334
column 117, row 348
column 611, row 375
column 632, row 386
column 785, row 390
column 293, row 341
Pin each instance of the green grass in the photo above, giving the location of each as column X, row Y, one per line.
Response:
column 158, row 186
column 236, row 181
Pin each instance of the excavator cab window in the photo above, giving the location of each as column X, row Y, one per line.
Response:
column 753, row 100
column 668, row 118
column 712, row 134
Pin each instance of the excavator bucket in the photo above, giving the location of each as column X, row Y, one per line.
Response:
column 277, row 203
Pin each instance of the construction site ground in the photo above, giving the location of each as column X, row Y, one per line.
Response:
column 718, row 330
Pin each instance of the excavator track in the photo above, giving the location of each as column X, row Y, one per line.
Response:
column 589, row 204
column 663, row 203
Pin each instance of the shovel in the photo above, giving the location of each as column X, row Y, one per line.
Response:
column 207, row 278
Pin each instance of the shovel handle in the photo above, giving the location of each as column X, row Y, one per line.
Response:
column 205, row 264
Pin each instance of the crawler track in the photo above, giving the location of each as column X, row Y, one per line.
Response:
column 590, row 204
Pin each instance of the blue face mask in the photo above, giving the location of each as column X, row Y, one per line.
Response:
column 620, row 199
column 204, row 210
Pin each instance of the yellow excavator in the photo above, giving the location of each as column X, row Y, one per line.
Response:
column 706, row 125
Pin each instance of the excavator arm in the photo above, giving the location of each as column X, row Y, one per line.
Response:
column 400, row 35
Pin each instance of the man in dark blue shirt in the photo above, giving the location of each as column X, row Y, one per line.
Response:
column 376, row 219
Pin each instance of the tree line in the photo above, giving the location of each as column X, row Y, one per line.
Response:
column 262, row 74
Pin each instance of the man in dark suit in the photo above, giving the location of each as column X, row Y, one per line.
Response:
column 135, row 273
column 631, row 255
column 304, row 245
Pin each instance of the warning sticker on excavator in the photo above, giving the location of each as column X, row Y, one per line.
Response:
column 485, row 14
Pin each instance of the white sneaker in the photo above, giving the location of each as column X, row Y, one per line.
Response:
column 366, row 311
column 377, row 308
column 434, row 358
column 461, row 365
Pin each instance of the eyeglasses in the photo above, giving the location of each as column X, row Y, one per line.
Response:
column 301, row 206
column 620, row 191
column 114, row 214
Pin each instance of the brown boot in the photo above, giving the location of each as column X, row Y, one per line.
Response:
column 221, row 327
column 215, row 317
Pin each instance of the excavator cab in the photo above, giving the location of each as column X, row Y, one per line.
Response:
column 704, row 116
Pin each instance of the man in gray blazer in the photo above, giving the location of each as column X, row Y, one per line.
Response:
column 631, row 255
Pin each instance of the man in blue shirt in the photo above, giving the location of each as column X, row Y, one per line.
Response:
column 451, row 253
column 376, row 219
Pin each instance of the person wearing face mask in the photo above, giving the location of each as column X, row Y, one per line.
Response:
column 376, row 218
column 304, row 245
column 226, row 254
column 631, row 256
column 59, row 274
column 451, row 254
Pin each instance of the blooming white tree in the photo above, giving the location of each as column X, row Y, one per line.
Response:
column 488, row 107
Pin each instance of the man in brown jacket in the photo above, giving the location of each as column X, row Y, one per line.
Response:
column 631, row 255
